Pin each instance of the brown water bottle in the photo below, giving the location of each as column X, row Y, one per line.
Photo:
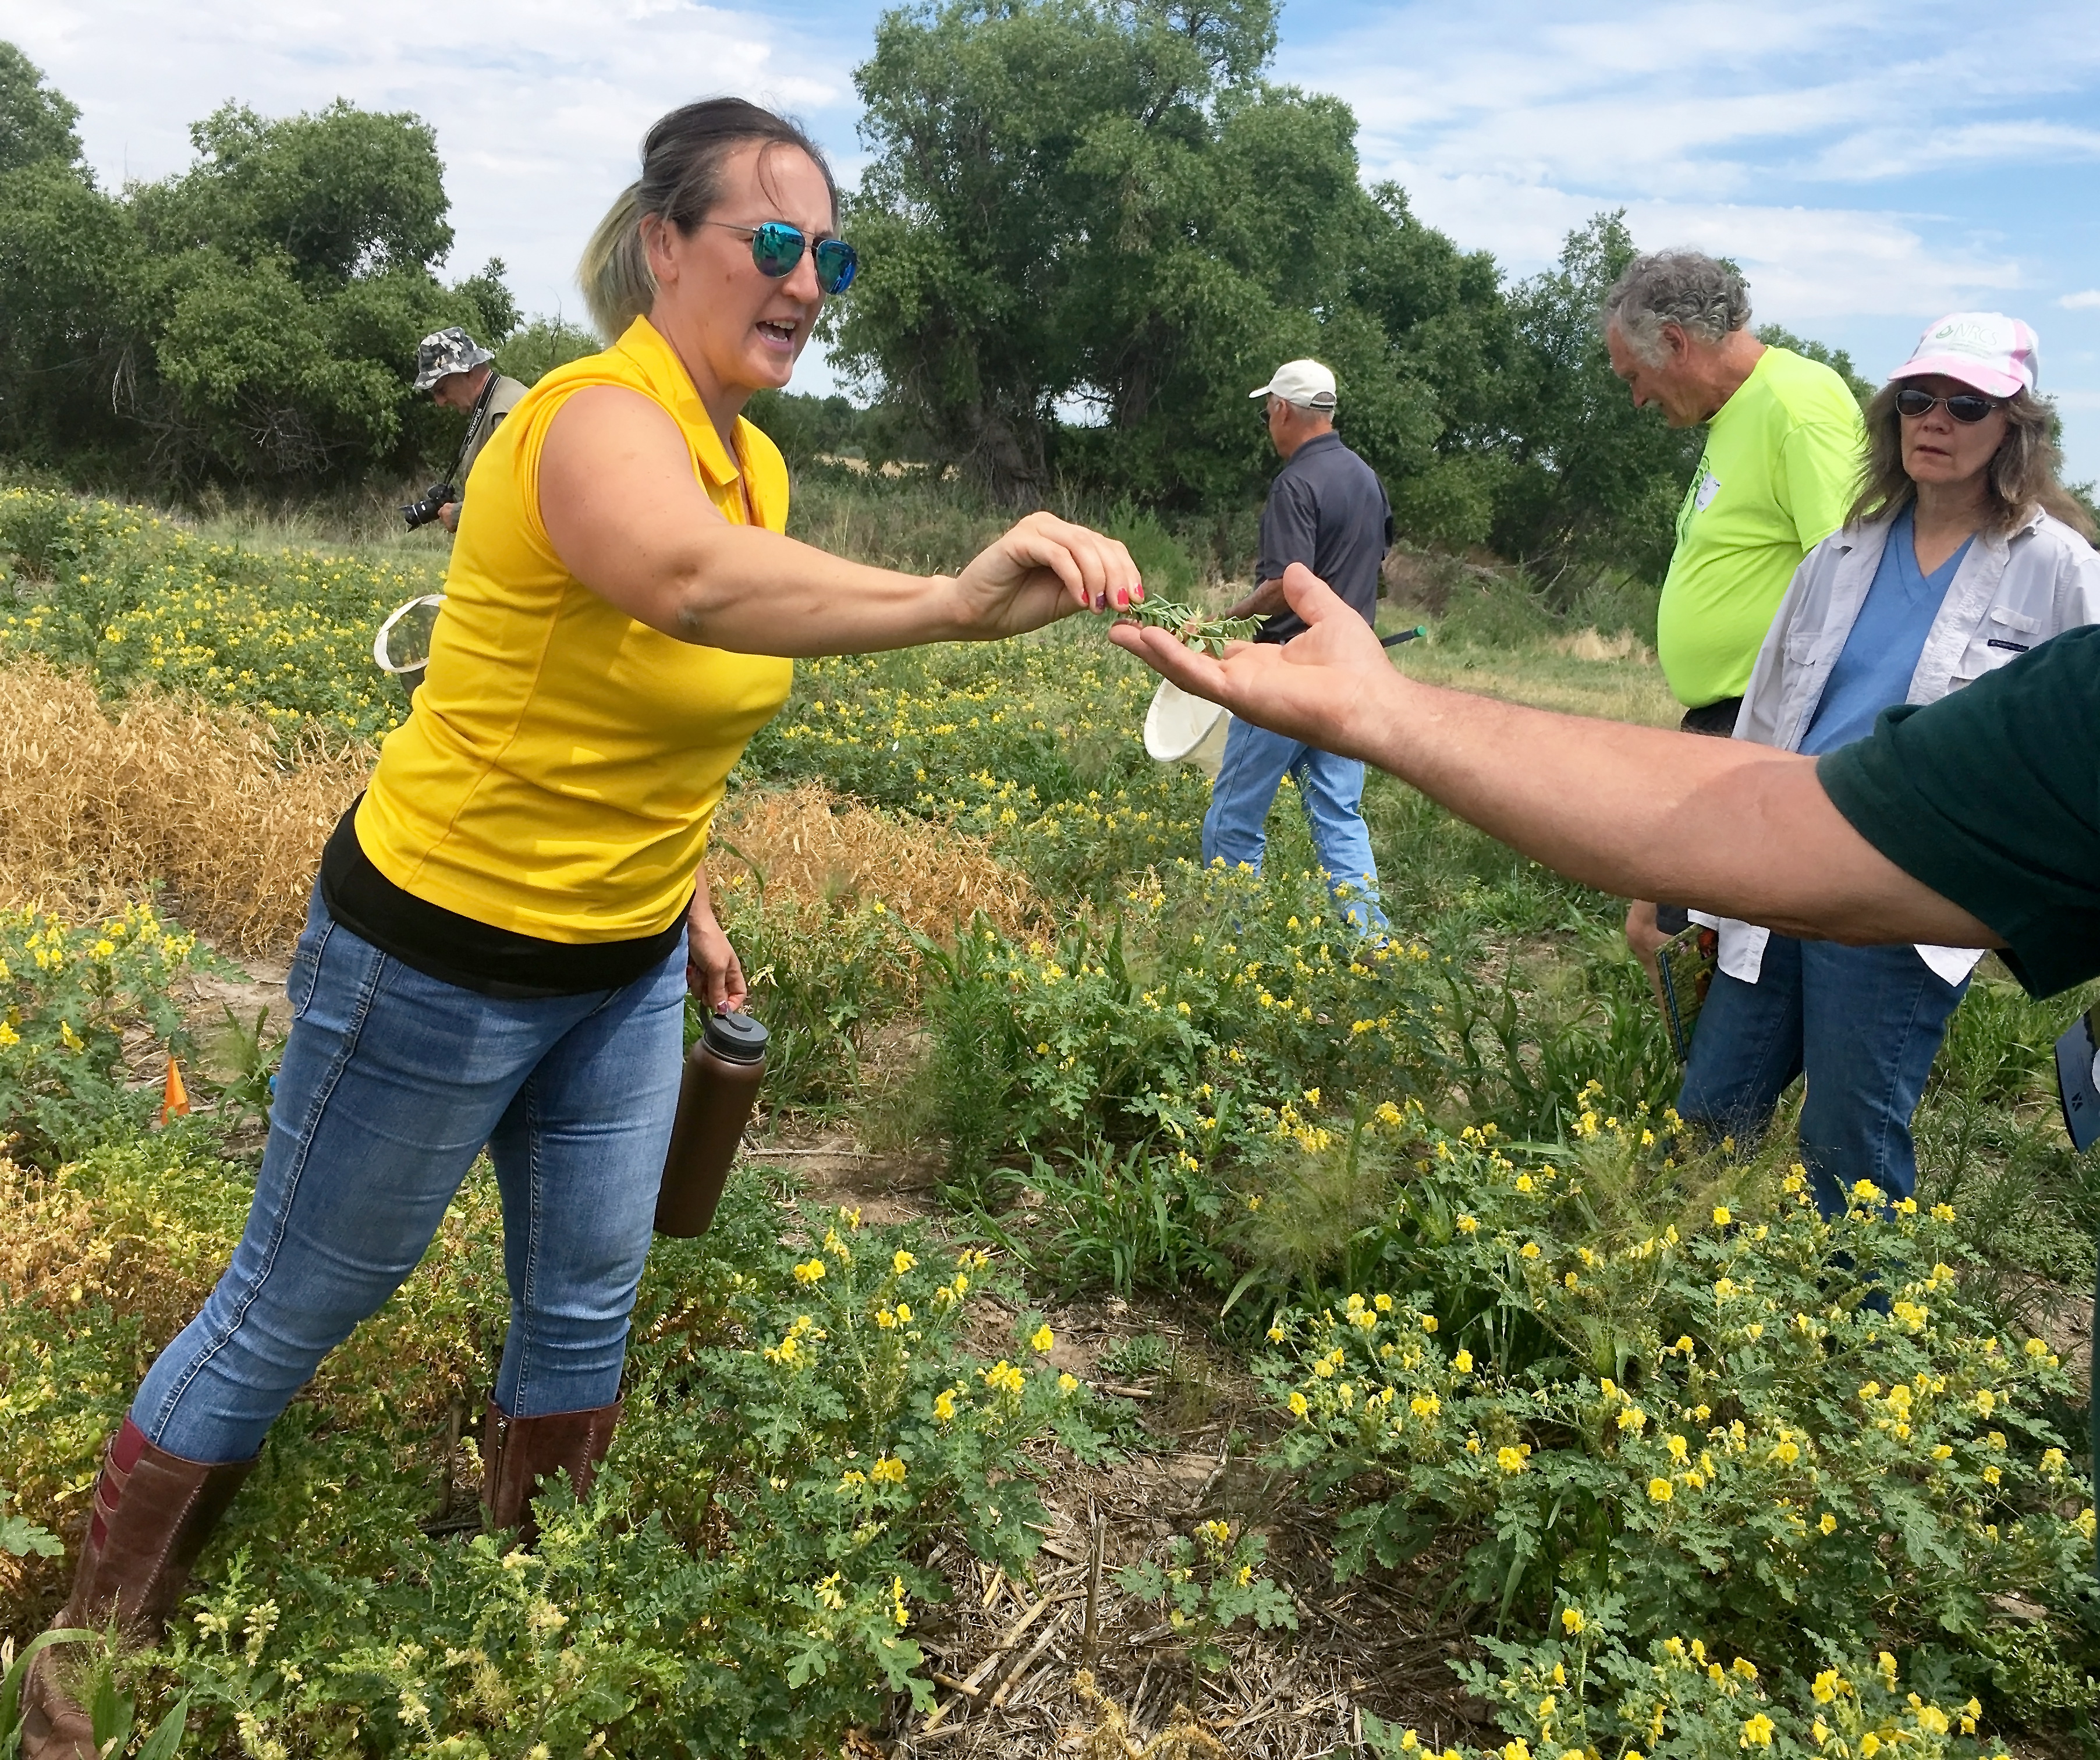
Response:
column 722, row 1073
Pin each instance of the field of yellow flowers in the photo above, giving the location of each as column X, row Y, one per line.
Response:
column 1700, row 1473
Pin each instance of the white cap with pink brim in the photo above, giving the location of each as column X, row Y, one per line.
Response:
column 1999, row 356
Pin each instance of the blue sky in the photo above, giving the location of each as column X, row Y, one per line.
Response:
column 1872, row 164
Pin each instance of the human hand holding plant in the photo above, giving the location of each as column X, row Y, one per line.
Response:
column 1040, row 569
column 1190, row 626
column 1330, row 687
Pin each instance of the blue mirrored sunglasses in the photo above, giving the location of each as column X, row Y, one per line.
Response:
column 776, row 247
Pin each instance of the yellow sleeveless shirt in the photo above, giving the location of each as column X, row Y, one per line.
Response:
column 560, row 768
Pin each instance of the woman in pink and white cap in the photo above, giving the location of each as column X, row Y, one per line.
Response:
column 1962, row 552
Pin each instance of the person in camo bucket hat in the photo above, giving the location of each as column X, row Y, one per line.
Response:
column 459, row 374
column 444, row 352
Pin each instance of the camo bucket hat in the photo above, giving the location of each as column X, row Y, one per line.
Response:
column 444, row 352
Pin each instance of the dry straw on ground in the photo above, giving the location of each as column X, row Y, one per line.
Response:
column 97, row 804
column 93, row 808
column 807, row 842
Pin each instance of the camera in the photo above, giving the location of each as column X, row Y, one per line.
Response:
column 434, row 498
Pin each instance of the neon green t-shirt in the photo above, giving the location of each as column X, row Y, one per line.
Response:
column 1781, row 468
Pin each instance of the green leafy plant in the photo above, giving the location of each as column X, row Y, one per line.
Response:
column 1717, row 1423
column 1593, row 1688
column 111, row 1713
column 1211, row 1582
column 22, row 1538
column 68, row 995
column 1187, row 625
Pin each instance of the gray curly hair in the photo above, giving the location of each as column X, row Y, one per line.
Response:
column 1705, row 299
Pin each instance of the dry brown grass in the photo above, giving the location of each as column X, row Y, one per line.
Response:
column 93, row 808
column 810, row 842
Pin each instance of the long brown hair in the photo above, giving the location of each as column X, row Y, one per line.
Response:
column 681, row 167
column 2022, row 474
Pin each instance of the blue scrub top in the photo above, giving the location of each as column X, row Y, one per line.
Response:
column 1874, row 672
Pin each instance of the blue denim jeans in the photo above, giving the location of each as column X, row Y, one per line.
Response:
column 1863, row 1023
column 392, row 1082
column 1256, row 762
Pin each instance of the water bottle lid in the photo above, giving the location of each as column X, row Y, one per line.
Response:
column 735, row 1038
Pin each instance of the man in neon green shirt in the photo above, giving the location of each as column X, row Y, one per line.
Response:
column 1783, row 444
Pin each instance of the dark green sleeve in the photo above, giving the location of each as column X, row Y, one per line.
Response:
column 1992, row 797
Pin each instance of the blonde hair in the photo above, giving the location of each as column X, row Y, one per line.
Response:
column 682, row 157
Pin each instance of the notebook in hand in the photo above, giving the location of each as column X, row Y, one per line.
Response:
column 1686, row 962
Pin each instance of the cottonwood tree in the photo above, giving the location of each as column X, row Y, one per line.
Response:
column 253, row 318
column 1105, row 208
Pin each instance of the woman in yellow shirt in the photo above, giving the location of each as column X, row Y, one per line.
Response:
column 506, row 925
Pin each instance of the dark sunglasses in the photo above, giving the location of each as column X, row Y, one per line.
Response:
column 776, row 247
column 1963, row 406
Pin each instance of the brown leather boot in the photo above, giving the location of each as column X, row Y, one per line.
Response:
column 151, row 1515
column 518, row 1452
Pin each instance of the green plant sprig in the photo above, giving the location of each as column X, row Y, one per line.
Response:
column 1191, row 625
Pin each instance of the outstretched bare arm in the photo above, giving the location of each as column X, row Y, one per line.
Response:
column 1720, row 824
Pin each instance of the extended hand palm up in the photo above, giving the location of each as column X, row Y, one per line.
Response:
column 1305, row 688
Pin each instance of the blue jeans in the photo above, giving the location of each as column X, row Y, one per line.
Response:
column 1863, row 1023
column 1256, row 762
column 392, row 1082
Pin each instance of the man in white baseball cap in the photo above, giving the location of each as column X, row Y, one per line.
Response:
column 1302, row 384
column 1327, row 510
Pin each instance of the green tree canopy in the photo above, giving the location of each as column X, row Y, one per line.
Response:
column 1586, row 480
column 1104, row 207
column 36, row 122
column 253, row 317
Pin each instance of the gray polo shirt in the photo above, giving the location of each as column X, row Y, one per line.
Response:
column 1326, row 509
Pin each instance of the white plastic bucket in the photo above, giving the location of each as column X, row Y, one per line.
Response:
column 1180, row 728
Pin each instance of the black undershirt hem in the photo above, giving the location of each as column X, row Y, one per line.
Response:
column 458, row 950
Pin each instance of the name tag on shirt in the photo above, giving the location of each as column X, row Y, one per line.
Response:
column 1709, row 486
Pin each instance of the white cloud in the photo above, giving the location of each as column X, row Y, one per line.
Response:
column 539, row 105
column 1803, row 263
column 1870, row 162
column 2087, row 300
column 1890, row 153
column 1652, row 97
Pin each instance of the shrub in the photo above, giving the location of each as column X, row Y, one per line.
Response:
column 1211, row 1013
column 1767, row 1428
column 68, row 996
column 1587, row 1690
column 822, row 976
column 132, row 599
column 805, row 1419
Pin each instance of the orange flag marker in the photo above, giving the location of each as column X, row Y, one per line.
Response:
column 175, row 1097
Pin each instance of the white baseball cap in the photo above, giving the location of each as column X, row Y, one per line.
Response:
column 1305, row 383
column 1999, row 356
